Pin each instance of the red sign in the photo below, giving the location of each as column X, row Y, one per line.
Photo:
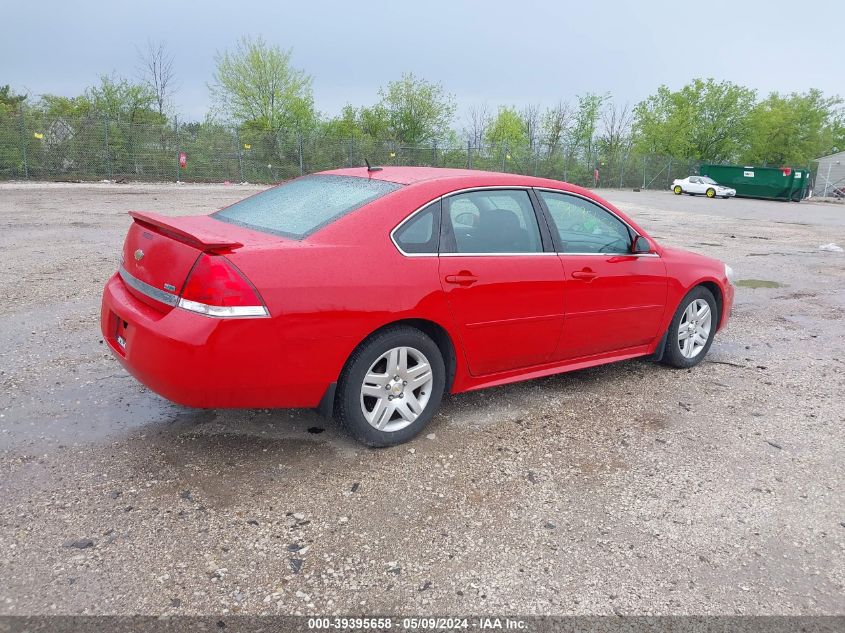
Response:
column 786, row 170
column 183, row 160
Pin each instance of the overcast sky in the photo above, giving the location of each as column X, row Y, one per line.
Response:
column 500, row 52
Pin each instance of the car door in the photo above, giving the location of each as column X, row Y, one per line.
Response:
column 696, row 186
column 502, row 278
column 614, row 298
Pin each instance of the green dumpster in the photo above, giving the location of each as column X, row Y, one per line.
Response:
column 773, row 183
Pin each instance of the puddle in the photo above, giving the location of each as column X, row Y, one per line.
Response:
column 758, row 283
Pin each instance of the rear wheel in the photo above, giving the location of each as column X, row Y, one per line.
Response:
column 692, row 329
column 391, row 387
column 711, row 193
column 677, row 189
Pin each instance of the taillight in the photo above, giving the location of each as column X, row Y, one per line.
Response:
column 216, row 288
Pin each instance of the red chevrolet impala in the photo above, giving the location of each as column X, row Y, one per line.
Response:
column 369, row 293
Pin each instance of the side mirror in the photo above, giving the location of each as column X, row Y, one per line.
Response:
column 641, row 245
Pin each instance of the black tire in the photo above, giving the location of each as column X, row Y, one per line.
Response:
column 348, row 399
column 672, row 355
column 711, row 193
column 677, row 190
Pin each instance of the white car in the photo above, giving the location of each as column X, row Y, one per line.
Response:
column 702, row 185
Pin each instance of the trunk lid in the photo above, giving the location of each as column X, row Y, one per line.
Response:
column 160, row 251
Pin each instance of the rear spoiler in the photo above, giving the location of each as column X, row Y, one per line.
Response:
column 192, row 230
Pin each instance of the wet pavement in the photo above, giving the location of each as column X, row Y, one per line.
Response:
column 628, row 488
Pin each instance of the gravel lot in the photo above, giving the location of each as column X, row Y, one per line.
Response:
column 630, row 488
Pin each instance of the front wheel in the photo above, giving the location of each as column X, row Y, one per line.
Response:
column 677, row 189
column 711, row 193
column 391, row 387
column 692, row 329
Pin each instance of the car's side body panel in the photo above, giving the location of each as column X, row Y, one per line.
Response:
column 511, row 317
column 620, row 307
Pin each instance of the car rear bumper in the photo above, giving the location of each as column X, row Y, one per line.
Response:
column 200, row 361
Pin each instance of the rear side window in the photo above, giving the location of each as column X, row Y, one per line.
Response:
column 299, row 207
column 421, row 233
column 492, row 221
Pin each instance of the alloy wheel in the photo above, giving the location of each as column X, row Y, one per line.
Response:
column 694, row 328
column 396, row 389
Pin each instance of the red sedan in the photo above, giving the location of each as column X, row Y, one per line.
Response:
column 369, row 293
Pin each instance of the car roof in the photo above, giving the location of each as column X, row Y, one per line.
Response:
column 458, row 177
column 442, row 181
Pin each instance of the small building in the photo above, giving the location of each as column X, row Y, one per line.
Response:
column 830, row 176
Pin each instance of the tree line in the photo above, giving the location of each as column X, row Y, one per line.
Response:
column 258, row 91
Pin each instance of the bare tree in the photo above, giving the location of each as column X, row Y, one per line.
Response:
column 478, row 121
column 615, row 137
column 156, row 69
column 532, row 117
column 555, row 123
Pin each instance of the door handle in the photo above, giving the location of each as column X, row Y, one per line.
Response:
column 586, row 274
column 463, row 278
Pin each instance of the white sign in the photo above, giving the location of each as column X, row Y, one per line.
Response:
column 797, row 174
column 748, row 174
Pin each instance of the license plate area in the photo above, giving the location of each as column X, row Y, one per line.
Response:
column 121, row 332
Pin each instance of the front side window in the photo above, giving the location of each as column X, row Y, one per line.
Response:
column 492, row 221
column 421, row 233
column 299, row 207
column 584, row 227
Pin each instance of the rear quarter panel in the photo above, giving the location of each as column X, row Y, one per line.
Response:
column 327, row 293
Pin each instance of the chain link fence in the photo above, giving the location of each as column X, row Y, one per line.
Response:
column 94, row 147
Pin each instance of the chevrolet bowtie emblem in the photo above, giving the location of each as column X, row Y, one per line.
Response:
column 139, row 255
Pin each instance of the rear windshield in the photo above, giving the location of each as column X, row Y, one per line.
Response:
column 300, row 207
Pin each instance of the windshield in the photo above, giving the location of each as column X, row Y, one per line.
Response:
column 708, row 181
column 299, row 207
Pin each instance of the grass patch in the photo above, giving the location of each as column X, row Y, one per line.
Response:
column 758, row 283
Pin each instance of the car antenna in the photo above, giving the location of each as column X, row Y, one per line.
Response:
column 370, row 167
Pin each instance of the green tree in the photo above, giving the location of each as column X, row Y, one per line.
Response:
column 417, row 111
column 793, row 129
column 345, row 126
column 56, row 106
column 580, row 137
column 375, row 122
column 121, row 101
column 256, row 85
column 582, row 133
column 507, row 128
column 704, row 120
column 359, row 123
column 10, row 102
column 11, row 159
